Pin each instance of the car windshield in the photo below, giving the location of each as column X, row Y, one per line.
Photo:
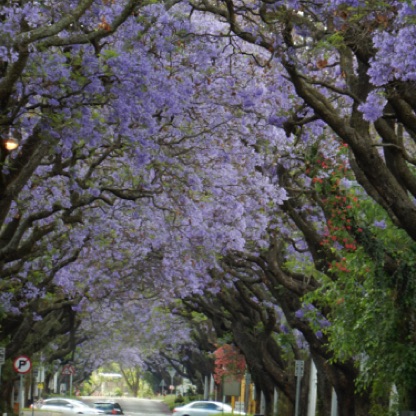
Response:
column 103, row 406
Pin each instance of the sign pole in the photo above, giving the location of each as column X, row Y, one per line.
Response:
column 298, row 379
column 299, row 369
column 22, row 365
column 171, row 373
column 21, row 395
column 69, row 370
column 2, row 359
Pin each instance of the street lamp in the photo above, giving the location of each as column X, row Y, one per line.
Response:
column 11, row 143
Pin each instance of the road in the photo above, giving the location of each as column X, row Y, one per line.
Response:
column 136, row 407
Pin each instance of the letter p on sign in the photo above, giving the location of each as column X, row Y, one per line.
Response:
column 22, row 364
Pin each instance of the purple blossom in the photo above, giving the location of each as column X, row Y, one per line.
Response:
column 380, row 224
column 373, row 108
column 300, row 313
column 277, row 121
column 284, row 329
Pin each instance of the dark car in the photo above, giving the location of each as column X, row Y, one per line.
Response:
column 110, row 408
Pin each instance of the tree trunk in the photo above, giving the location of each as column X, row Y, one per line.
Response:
column 407, row 399
column 323, row 406
column 350, row 402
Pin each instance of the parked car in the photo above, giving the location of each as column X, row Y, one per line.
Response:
column 109, row 407
column 68, row 406
column 202, row 408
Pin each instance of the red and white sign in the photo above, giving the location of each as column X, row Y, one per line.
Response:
column 22, row 364
column 68, row 369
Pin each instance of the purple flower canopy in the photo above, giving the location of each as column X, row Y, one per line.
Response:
column 159, row 145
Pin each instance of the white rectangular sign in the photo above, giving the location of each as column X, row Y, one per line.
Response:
column 299, row 368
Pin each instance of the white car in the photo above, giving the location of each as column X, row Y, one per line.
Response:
column 202, row 408
column 68, row 406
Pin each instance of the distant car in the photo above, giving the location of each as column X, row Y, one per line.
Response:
column 110, row 408
column 202, row 408
column 68, row 406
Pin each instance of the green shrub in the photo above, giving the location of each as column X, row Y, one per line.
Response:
column 179, row 399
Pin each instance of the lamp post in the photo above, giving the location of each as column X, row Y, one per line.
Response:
column 2, row 359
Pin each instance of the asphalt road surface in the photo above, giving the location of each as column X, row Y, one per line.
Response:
column 136, row 407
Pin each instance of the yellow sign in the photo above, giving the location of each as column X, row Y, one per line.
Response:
column 40, row 386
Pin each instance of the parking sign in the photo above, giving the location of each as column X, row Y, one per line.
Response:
column 22, row 364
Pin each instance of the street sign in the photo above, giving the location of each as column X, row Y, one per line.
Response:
column 22, row 364
column 299, row 368
column 68, row 369
column 2, row 355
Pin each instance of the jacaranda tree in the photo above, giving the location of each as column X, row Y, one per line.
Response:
column 112, row 195
column 346, row 78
